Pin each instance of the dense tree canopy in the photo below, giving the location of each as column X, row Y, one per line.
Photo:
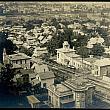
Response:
column 97, row 50
column 28, row 52
column 58, row 39
column 7, row 73
column 83, row 51
column 10, row 47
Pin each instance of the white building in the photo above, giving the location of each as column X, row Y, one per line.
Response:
column 73, row 93
column 64, row 54
column 43, row 75
column 97, row 66
column 39, row 51
column 21, row 59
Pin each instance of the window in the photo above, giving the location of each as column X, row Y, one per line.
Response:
column 49, row 98
column 16, row 61
column 13, row 61
column 64, row 97
column 20, row 61
column 70, row 96
column 25, row 61
column 58, row 55
column 44, row 85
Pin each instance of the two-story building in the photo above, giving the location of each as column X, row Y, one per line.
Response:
column 97, row 66
column 43, row 75
column 21, row 59
column 39, row 51
column 73, row 93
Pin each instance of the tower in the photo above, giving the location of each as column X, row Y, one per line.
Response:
column 5, row 60
column 66, row 45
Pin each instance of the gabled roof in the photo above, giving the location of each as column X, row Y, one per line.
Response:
column 18, row 56
column 40, row 67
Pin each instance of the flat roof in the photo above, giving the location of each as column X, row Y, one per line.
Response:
column 73, row 55
column 60, row 89
column 65, row 50
column 78, row 83
column 102, row 62
column 32, row 99
column 91, row 60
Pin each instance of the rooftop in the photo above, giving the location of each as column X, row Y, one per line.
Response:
column 102, row 62
column 46, row 75
column 40, row 67
column 65, row 50
column 73, row 55
column 78, row 83
column 60, row 89
column 32, row 99
column 91, row 60
column 18, row 56
column 26, row 71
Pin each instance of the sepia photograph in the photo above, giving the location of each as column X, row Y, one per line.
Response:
column 55, row 54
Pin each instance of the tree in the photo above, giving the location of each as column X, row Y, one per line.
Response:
column 28, row 52
column 29, row 26
column 58, row 39
column 54, row 22
column 10, row 47
column 7, row 73
column 81, row 41
column 83, row 51
column 97, row 50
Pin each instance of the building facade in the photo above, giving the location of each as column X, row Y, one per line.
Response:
column 21, row 59
column 97, row 66
column 72, row 94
